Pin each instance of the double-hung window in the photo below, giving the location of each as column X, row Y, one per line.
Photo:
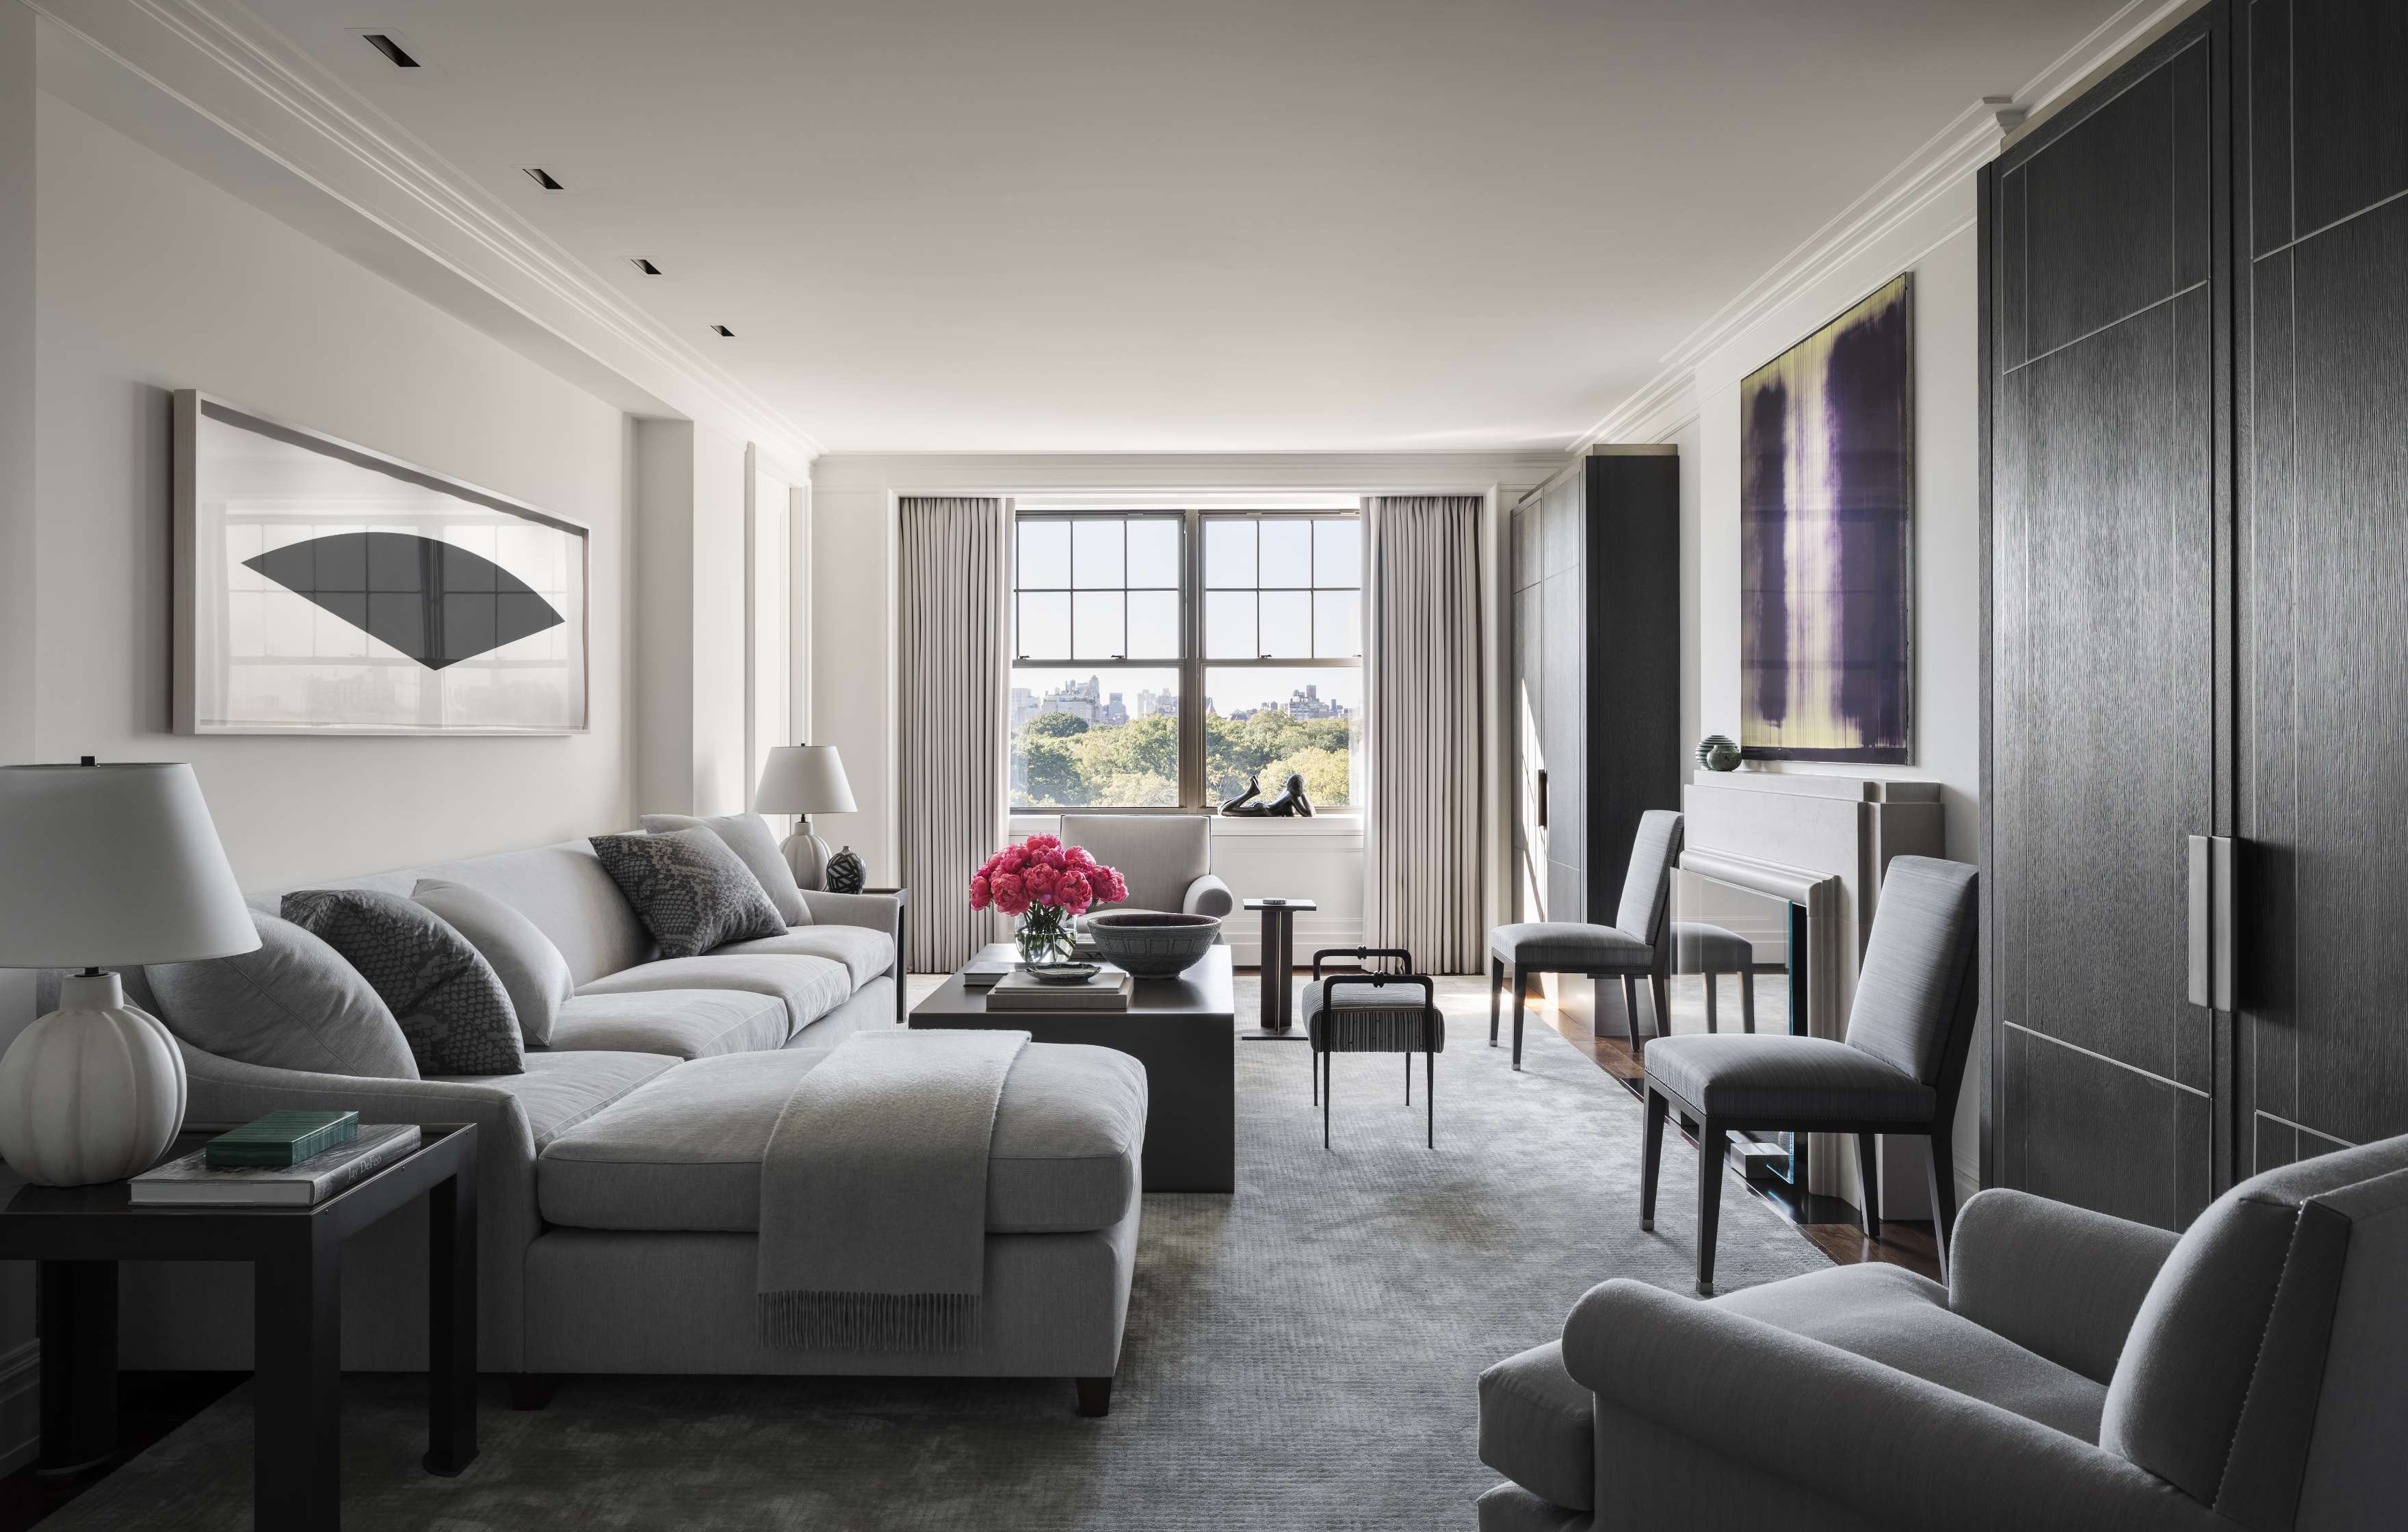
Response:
column 1164, row 658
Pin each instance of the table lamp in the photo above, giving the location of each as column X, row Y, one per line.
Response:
column 104, row 865
column 804, row 780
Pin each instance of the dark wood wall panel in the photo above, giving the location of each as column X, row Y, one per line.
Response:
column 2323, row 582
column 2107, row 345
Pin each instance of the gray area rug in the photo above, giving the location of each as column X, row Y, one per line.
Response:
column 1302, row 1355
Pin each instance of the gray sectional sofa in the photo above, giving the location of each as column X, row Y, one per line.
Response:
column 620, row 1174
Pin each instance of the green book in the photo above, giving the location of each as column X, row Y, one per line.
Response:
column 281, row 1138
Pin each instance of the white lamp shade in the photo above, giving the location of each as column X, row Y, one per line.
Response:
column 106, row 866
column 803, row 779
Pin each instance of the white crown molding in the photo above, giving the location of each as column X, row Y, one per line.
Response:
column 227, row 65
column 1971, row 140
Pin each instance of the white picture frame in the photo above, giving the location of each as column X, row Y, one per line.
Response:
column 324, row 587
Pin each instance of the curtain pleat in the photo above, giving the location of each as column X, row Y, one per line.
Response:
column 1426, row 840
column 955, row 627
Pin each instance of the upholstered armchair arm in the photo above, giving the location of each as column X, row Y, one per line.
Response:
column 223, row 1090
column 1209, row 896
column 1900, row 1450
column 2058, row 1280
column 878, row 911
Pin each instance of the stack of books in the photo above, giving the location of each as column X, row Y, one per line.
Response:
column 1021, row 990
column 286, row 1159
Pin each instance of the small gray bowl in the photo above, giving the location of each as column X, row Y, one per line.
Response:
column 1153, row 945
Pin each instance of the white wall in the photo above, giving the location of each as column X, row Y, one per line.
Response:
column 153, row 280
column 1939, row 244
column 853, row 547
column 692, row 484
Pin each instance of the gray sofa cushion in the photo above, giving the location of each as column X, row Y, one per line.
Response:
column 560, row 1090
column 1538, row 1427
column 864, row 953
column 691, row 892
column 748, row 837
column 1540, row 945
column 811, row 986
column 681, row 1023
column 562, row 888
column 1890, row 1315
column 1769, row 1077
column 524, row 958
column 2174, row 1407
column 685, row 1152
column 450, row 1002
column 294, row 1004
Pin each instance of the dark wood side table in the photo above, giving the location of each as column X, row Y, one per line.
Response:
column 1277, row 969
column 78, row 1234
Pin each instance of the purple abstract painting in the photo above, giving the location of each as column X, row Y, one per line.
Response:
column 1826, row 540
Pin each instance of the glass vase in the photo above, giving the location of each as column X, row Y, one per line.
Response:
column 1045, row 937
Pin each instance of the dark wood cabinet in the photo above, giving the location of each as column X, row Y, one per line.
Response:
column 1596, row 702
column 2196, row 366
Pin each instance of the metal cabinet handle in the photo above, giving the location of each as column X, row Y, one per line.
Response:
column 2212, row 955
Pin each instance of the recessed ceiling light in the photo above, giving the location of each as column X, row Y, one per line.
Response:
column 395, row 53
column 722, row 331
column 646, row 266
column 543, row 178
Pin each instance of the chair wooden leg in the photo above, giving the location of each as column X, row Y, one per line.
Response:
column 1650, row 1162
column 1712, row 1023
column 1630, row 1011
column 1430, row 1088
column 1660, row 986
column 1521, row 998
column 1747, row 998
column 1409, row 1079
column 1325, row 1099
column 1095, row 1396
column 1714, row 1143
column 1942, row 1173
column 1868, row 1181
column 1495, row 992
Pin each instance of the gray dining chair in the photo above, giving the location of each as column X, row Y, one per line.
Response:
column 1633, row 945
column 1898, row 1073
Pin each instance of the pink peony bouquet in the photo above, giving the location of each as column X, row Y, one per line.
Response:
column 1042, row 883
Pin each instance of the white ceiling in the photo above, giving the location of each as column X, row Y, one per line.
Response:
column 1222, row 225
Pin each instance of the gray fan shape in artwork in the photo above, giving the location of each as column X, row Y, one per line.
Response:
column 435, row 601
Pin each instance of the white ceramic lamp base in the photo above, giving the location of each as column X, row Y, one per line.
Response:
column 808, row 855
column 92, row 1092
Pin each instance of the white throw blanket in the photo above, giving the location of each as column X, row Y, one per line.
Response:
column 873, row 1194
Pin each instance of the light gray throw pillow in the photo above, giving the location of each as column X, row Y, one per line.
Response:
column 748, row 837
column 524, row 958
column 294, row 1004
column 451, row 1004
column 690, row 891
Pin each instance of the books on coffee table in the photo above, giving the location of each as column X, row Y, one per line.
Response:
column 1021, row 990
column 980, row 974
column 191, row 1181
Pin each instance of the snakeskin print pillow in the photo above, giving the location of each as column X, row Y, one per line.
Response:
column 691, row 892
column 451, row 1004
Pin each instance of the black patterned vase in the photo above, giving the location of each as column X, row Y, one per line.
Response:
column 1717, row 753
column 844, row 872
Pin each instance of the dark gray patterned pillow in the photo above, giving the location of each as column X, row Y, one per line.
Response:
column 691, row 892
column 451, row 1004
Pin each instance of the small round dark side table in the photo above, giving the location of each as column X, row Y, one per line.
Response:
column 1279, row 969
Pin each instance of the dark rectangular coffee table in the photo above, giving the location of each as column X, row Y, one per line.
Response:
column 1183, row 1030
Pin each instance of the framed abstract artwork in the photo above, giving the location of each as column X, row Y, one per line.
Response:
column 1826, row 540
column 324, row 587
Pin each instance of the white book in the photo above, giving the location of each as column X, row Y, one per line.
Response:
column 191, row 1181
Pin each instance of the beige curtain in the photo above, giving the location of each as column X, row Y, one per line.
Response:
column 1426, row 844
column 957, row 633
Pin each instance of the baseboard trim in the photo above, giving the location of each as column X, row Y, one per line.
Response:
column 20, row 1406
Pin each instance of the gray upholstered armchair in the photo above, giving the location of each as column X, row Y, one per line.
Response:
column 1167, row 859
column 2077, row 1372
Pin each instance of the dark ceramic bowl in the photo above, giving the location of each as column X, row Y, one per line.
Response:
column 1153, row 945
